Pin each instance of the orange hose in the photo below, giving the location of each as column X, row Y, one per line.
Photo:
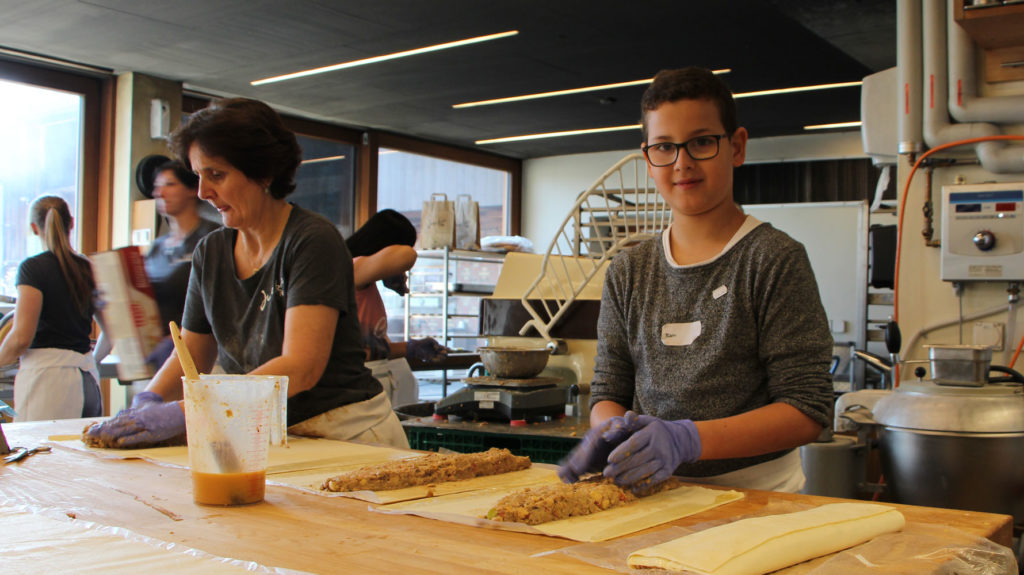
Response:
column 1016, row 353
column 902, row 210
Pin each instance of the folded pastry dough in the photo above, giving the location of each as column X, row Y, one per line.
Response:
column 765, row 544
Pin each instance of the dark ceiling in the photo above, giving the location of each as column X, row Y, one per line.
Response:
column 219, row 46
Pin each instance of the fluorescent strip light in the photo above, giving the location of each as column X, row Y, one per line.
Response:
column 564, row 92
column 737, row 96
column 324, row 159
column 797, row 89
column 375, row 59
column 558, row 134
column 833, row 126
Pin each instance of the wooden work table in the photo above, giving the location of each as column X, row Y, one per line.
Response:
column 304, row 531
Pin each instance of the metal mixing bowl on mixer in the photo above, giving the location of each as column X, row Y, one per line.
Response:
column 954, row 446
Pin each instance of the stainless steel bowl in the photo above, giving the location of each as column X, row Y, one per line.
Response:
column 514, row 362
column 956, row 447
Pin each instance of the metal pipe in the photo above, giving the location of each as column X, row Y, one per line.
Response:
column 908, row 73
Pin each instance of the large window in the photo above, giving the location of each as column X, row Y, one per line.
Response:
column 41, row 131
column 405, row 180
column 325, row 182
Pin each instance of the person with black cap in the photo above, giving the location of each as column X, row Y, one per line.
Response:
column 382, row 250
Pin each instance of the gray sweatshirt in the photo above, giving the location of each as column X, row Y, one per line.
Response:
column 716, row 339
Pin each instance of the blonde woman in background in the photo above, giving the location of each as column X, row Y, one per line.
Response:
column 57, row 377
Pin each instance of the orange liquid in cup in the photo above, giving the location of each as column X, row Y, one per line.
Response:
column 228, row 488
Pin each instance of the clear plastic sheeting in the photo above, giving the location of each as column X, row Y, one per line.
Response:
column 36, row 541
column 919, row 549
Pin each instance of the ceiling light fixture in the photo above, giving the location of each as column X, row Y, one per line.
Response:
column 323, row 159
column 833, row 126
column 796, row 89
column 558, row 134
column 375, row 59
column 564, row 92
column 635, row 126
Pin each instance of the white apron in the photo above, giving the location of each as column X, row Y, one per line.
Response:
column 370, row 421
column 396, row 377
column 784, row 474
column 48, row 384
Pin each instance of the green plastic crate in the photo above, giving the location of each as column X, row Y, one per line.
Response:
column 541, row 449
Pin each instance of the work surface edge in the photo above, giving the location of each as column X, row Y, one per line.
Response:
column 305, row 531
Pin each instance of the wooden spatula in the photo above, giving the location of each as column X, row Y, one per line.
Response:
column 184, row 357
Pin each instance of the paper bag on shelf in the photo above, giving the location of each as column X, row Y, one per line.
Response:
column 130, row 311
column 437, row 227
column 467, row 223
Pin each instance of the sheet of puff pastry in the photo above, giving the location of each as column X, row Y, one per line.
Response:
column 764, row 544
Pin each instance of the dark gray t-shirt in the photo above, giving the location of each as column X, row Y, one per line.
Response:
column 759, row 336
column 168, row 269
column 309, row 266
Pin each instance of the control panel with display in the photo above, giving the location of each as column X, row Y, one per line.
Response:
column 983, row 232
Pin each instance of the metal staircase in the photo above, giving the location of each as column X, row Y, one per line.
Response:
column 620, row 209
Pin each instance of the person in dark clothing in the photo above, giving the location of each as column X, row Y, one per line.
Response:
column 261, row 299
column 57, row 377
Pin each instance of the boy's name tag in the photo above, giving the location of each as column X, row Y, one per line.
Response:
column 680, row 333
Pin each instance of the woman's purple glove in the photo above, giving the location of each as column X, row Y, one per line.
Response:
column 591, row 455
column 654, row 452
column 146, row 398
column 426, row 350
column 142, row 426
column 161, row 351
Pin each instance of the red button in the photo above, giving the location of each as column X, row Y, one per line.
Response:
column 1006, row 207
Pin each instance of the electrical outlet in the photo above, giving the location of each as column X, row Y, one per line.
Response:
column 990, row 334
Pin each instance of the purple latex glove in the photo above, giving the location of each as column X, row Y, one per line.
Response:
column 139, row 427
column 161, row 351
column 654, row 452
column 145, row 399
column 426, row 350
column 397, row 283
column 591, row 455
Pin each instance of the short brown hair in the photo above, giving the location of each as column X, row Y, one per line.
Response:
column 689, row 84
column 249, row 135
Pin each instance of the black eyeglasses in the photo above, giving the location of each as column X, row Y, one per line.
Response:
column 699, row 148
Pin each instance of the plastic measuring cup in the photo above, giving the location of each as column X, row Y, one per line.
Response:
column 231, row 420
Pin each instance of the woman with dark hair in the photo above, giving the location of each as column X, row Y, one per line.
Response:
column 261, row 296
column 169, row 261
column 57, row 377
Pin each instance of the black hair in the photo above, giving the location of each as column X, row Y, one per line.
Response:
column 690, row 83
column 249, row 135
column 383, row 229
column 187, row 177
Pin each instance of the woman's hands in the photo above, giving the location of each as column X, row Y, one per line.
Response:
column 147, row 422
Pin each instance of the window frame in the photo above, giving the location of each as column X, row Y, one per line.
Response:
column 97, row 90
column 368, row 144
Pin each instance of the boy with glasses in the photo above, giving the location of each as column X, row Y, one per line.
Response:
column 713, row 335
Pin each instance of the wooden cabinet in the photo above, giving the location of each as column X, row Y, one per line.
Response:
column 998, row 29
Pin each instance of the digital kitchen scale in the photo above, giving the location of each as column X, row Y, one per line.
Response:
column 496, row 399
